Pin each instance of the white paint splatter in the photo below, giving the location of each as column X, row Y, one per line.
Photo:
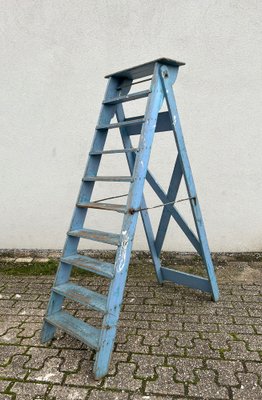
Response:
column 46, row 377
column 123, row 248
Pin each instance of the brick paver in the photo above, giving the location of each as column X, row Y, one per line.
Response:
column 172, row 343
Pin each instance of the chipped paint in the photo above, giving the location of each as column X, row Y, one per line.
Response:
column 122, row 252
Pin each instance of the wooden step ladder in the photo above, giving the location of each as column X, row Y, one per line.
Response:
column 163, row 73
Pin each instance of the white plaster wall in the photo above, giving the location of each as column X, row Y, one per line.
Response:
column 54, row 55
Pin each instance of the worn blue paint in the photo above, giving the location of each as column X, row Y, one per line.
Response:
column 164, row 74
column 82, row 295
column 86, row 333
column 171, row 104
column 189, row 280
column 144, row 214
column 117, row 286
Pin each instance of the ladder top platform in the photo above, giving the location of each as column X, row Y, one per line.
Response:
column 146, row 69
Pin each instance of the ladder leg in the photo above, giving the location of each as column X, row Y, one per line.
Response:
column 116, row 291
column 144, row 214
column 171, row 104
column 64, row 270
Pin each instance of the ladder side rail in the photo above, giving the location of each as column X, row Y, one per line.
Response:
column 117, row 285
column 144, row 213
column 171, row 196
column 172, row 108
column 64, row 270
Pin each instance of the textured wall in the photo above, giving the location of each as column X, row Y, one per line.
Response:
column 54, row 56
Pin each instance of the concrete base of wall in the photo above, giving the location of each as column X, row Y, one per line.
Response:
column 184, row 257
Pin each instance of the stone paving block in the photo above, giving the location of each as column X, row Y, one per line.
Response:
column 254, row 312
column 236, row 328
column 107, row 395
column 254, row 298
column 124, row 378
column 4, row 385
column 143, row 308
column 65, row 341
column 253, row 342
column 150, row 317
column 258, row 329
column 5, row 396
column 226, row 371
column 202, row 349
column 168, row 347
column 24, row 260
column 6, row 352
column 115, row 359
column 126, row 323
column 27, row 390
column 67, row 393
column 256, row 368
column 248, row 320
column 249, row 388
column 122, row 334
column 41, row 260
column 177, row 310
column 151, row 338
column 167, row 326
column 185, row 368
column 218, row 340
column 8, row 311
column 239, row 351
column 184, row 339
column 7, row 303
column 220, row 319
column 165, row 384
column 14, row 369
column 177, row 319
column 200, row 327
column 206, row 387
column 6, row 325
column 32, row 311
column 71, row 359
column 133, row 344
column 49, row 373
column 29, row 329
column 146, row 364
column 157, row 301
column 151, row 397
column 83, row 377
column 38, row 355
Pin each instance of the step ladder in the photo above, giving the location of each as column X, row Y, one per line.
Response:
column 162, row 74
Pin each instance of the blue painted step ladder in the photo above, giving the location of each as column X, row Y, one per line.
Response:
column 162, row 74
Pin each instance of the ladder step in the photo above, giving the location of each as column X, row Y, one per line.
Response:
column 82, row 295
column 127, row 122
column 116, row 151
column 128, row 97
column 103, row 206
column 90, row 264
column 98, row 236
column 75, row 327
column 108, row 179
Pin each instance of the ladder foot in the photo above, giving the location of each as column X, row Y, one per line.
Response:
column 47, row 333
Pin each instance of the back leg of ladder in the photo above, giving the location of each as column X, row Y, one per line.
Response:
column 144, row 214
column 205, row 252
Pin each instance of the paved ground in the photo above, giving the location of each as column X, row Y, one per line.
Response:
column 173, row 343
